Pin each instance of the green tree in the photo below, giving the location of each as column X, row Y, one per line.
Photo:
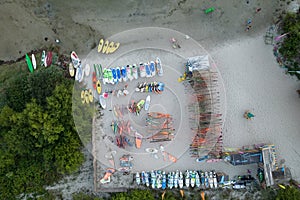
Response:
column 290, row 193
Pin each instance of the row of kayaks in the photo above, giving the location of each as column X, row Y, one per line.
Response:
column 131, row 72
column 46, row 60
column 107, row 47
column 161, row 179
column 155, row 87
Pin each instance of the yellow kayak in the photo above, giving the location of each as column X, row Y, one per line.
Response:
column 114, row 47
column 71, row 70
column 110, row 47
column 86, row 96
column 82, row 97
column 101, row 42
column 105, row 46
column 98, row 87
column 91, row 96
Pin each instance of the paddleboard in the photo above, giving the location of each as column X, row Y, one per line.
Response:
column 33, row 61
column 43, row 57
column 71, row 70
column 105, row 46
column 91, row 96
column 98, row 86
column 87, row 69
column 49, row 58
column 29, row 63
column 101, row 42
column 102, row 101
column 110, row 47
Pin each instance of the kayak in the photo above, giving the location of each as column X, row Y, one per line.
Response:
column 29, row 63
column 33, row 61
column 43, row 58
column 110, row 47
column 209, row 10
column 94, row 80
column 147, row 104
column 105, row 46
column 114, row 47
column 91, row 97
column 138, row 140
column 102, row 101
column 152, row 68
column 101, row 42
column 71, row 70
column 75, row 60
column 124, row 74
column 98, row 86
column 48, row 59
column 134, row 71
column 148, row 72
column 86, row 96
column 128, row 72
column 82, row 96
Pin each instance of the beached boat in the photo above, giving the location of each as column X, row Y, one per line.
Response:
column 105, row 46
column 134, row 71
column 43, row 57
column 180, row 180
column 129, row 72
column 211, row 180
column 143, row 177
column 119, row 77
column 147, row 104
column 202, row 179
column 193, row 178
column 148, row 71
column 29, row 63
column 142, row 70
column 100, row 45
column 71, row 70
column 158, row 179
column 78, row 75
column 48, row 59
column 176, row 175
column 153, row 179
column 124, row 74
column 206, row 180
column 98, row 86
column 91, row 96
column 138, row 140
column 75, row 60
column 152, row 68
column 215, row 180
column 170, row 180
column 147, row 179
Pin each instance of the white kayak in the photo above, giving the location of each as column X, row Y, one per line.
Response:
column 33, row 60
column 147, row 104
column 102, row 101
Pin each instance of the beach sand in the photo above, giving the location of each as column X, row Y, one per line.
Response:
column 252, row 78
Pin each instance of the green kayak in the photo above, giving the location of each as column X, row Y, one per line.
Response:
column 29, row 63
column 209, row 10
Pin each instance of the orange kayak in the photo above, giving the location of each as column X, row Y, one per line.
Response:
column 138, row 140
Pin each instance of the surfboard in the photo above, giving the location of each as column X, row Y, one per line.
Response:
column 29, row 63
column 105, row 46
column 100, row 46
column 102, row 101
column 33, row 61
column 71, row 70
column 98, row 86
column 87, row 69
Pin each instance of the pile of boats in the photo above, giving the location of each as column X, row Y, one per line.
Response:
column 155, row 87
column 130, row 72
column 161, row 179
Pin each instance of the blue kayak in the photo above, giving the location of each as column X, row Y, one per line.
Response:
column 114, row 74
column 119, row 74
column 148, row 72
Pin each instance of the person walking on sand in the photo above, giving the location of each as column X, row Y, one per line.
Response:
column 257, row 10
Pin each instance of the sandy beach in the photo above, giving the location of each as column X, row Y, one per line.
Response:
column 251, row 76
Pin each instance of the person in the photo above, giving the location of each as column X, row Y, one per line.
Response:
column 258, row 9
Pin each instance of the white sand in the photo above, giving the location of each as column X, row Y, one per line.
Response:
column 253, row 80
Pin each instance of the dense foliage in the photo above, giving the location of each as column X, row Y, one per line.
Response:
column 38, row 141
column 290, row 47
column 290, row 193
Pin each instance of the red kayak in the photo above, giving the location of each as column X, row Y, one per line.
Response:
column 49, row 58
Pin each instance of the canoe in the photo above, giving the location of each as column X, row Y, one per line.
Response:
column 48, row 59
column 102, row 101
column 91, row 96
column 101, row 42
column 105, row 46
column 138, row 140
column 33, row 61
column 29, row 63
column 87, row 69
column 98, row 87
column 71, row 70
